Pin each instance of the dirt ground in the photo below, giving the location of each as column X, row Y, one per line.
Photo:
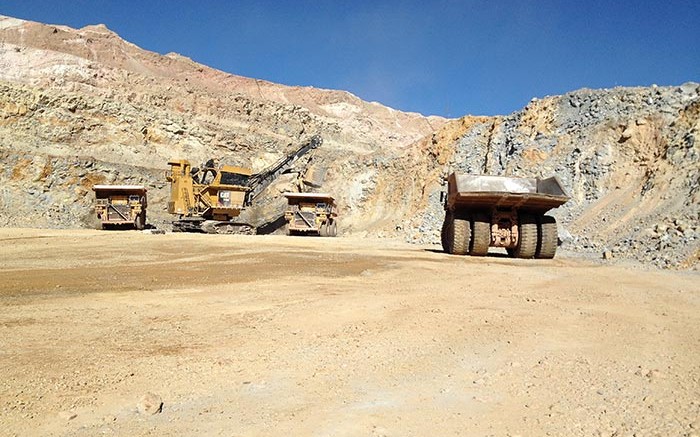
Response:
column 271, row 335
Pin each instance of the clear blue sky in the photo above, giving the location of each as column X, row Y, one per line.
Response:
column 446, row 58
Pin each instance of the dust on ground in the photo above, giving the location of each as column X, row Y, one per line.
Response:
column 271, row 335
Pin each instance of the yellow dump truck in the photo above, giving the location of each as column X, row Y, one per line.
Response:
column 496, row 211
column 121, row 206
column 311, row 213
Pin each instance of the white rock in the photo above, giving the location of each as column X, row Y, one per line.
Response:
column 150, row 403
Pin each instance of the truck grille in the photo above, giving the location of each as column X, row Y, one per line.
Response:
column 299, row 222
column 112, row 215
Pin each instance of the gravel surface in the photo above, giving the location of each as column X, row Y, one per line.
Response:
column 268, row 335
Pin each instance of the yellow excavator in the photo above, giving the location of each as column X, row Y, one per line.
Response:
column 208, row 199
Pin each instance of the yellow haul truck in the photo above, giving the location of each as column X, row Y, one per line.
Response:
column 496, row 211
column 209, row 199
column 121, row 205
column 311, row 213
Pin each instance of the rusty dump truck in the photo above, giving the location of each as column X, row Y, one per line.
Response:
column 120, row 206
column 497, row 211
column 311, row 214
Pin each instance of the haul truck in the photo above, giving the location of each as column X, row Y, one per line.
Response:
column 497, row 211
column 121, row 205
column 311, row 213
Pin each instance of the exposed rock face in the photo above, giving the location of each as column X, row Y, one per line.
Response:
column 80, row 107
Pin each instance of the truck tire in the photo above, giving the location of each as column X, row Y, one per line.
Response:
column 481, row 235
column 527, row 243
column 334, row 229
column 138, row 222
column 323, row 229
column 461, row 235
column 547, row 237
column 445, row 237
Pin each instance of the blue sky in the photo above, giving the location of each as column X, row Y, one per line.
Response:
column 448, row 58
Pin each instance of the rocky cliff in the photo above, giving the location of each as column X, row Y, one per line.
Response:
column 80, row 107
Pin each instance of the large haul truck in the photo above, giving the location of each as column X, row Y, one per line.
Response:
column 120, row 206
column 496, row 211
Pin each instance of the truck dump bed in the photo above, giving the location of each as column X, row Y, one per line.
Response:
column 485, row 192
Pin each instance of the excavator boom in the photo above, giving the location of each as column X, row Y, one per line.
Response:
column 259, row 181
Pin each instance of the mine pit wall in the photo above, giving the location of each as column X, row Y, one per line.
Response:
column 627, row 156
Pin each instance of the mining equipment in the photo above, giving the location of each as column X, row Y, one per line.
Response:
column 121, row 206
column 496, row 211
column 208, row 199
column 311, row 214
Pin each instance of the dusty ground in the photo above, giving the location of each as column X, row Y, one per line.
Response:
column 275, row 335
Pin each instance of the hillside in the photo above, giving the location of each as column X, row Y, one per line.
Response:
column 83, row 106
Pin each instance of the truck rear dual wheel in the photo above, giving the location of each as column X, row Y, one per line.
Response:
column 538, row 237
column 328, row 229
column 462, row 235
